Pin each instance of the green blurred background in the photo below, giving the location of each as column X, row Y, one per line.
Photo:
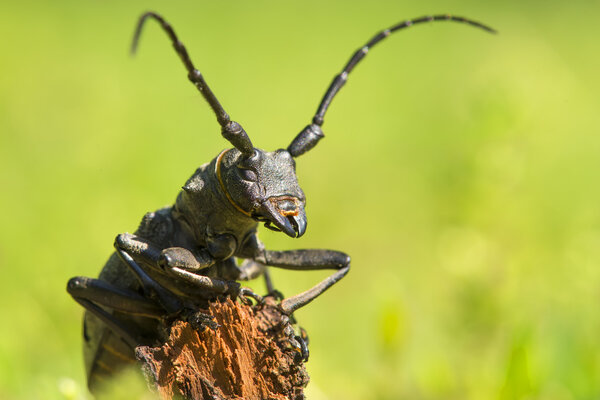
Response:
column 460, row 170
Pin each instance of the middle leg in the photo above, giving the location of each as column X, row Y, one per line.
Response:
column 306, row 260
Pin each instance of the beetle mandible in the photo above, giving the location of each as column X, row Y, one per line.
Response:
column 185, row 255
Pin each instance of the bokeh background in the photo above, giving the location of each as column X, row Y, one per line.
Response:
column 460, row 170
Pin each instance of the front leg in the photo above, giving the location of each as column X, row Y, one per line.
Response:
column 183, row 264
column 306, row 260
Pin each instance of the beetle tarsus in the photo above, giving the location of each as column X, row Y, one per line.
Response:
column 246, row 294
column 276, row 294
column 298, row 343
column 303, row 351
column 200, row 321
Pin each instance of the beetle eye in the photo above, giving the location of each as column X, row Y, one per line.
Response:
column 248, row 175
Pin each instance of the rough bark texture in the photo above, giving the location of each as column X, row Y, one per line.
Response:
column 247, row 357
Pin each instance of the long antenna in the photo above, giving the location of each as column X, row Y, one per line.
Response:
column 231, row 130
column 342, row 77
column 312, row 133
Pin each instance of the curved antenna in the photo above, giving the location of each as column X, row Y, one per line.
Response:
column 231, row 130
column 310, row 135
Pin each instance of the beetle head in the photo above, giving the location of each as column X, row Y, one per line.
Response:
column 264, row 186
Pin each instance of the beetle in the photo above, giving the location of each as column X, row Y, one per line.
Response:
column 185, row 255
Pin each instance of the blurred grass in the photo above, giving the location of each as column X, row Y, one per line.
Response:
column 460, row 171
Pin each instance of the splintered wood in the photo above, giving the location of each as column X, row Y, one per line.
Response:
column 247, row 357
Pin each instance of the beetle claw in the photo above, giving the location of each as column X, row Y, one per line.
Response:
column 298, row 343
column 276, row 294
column 245, row 295
column 200, row 321
column 300, row 347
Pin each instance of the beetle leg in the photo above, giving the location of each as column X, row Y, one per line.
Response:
column 94, row 294
column 298, row 342
column 217, row 286
column 111, row 322
column 304, row 353
column 178, row 262
column 246, row 294
column 270, row 287
column 303, row 340
column 251, row 269
column 154, row 290
column 304, row 260
column 107, row 295
column 200, row 321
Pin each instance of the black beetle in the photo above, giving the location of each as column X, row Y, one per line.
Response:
column 183, row 256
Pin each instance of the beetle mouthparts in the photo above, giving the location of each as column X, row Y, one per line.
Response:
column 285, row 214
column 298, row 221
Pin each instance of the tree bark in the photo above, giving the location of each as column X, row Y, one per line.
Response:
column 246, row 357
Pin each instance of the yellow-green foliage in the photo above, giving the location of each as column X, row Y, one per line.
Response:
column 460, row 170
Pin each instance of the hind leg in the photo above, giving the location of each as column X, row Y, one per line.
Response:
column 96, row 295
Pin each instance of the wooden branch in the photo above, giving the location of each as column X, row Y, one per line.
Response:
column 246, row 357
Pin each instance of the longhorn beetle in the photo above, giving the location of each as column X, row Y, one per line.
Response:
column 185, row 255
